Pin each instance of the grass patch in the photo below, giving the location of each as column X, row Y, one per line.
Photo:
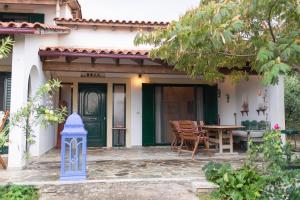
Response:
column 18, row 192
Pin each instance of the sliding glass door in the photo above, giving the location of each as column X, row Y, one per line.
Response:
column 162, row 103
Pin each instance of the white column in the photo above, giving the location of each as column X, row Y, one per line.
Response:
column 226, row 109
column 136, row 112
column 109, row 117
column 276, row 105
column 17, row 139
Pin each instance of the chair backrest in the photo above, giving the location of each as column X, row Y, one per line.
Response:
column 201, row 124
column 175, row 127
column 3, row 120
column 187, row 125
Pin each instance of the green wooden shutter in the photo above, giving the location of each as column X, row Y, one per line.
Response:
column 7, row 92
column 210, row 104
column 36, row 17
column 148, row 116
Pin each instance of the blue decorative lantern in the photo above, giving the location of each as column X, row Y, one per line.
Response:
column 73, row 149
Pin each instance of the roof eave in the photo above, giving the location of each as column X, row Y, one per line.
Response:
column 47, row 53
column 12, row 31
column 123, row 25
column 29, row 31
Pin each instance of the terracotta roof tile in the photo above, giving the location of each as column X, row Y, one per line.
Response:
column 105, row 22
column 96, row 51
column 29, row 28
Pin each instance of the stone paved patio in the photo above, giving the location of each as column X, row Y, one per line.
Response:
column 118, row 172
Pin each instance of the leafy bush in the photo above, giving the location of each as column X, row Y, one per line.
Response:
column 270, row 180
column 244, row 183
column 17, row 192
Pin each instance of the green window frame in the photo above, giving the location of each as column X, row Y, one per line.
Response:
column 5, row 90
column 22, row 17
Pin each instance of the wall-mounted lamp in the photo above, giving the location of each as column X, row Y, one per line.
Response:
column 140, row 79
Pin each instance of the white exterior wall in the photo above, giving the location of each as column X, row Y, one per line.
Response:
column 227, row 109
column 18, row 99
column 105, row 38
column 250, row 88
column 26, row 60
column 65, row 11
column 136, row 112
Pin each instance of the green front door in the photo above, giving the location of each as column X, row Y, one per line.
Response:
column 148, row 112
column 92, row 109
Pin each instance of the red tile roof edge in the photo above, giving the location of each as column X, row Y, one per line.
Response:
column 96, row 53
column 29, row 28
column 99, row 22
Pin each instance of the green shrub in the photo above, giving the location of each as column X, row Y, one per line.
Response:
column 271, row 180
column 18, row 192
column 244, row 183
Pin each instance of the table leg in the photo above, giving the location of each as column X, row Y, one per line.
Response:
column 295, row 140
column 231, row 141
column 220, row 141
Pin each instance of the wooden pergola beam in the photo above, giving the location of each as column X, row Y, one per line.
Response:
column 70, row 59
column 108, row 68
column 138, row 61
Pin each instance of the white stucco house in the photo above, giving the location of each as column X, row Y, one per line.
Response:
column 124, row 98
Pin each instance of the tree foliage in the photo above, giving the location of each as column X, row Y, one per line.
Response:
column 5, row 46
column 262, row 35
column 292, row 101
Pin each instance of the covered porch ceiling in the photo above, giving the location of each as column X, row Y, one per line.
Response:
column 103, row 61
column 66, row 59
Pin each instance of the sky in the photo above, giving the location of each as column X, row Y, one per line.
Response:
column 152, row 10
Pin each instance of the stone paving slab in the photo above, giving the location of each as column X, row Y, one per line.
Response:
column 144, row 153
column 147, row 173
column 119, row 191
column 113, row 170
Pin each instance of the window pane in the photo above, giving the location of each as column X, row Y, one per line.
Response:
column 119, row 106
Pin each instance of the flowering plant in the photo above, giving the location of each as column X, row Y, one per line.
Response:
column 39, row 110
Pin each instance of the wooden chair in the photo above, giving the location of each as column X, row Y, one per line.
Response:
column 189, row 133
column 212, row 136
column 3, row 121
column 175, row 134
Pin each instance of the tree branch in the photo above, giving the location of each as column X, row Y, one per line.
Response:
column 224, row 54
column 269, row 23
column 236, row 55
column 296, row 68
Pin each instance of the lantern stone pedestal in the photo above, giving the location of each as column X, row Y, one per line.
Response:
column 73, row 149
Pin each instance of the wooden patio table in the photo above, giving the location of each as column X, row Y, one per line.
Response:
column 220, row 129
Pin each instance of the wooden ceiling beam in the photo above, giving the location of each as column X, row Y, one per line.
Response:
column 70, row 59
column 93, row 60
column 117, row 61
column 108, row 68
column 138, row 61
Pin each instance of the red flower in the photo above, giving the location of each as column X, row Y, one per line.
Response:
column 276, row 126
